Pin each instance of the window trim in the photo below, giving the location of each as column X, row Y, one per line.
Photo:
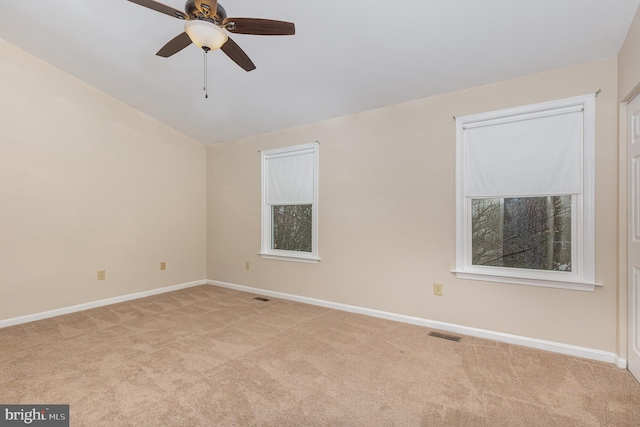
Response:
column 583, row 204
column 266, row 251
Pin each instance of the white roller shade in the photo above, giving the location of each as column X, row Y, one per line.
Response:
column 537, row 154
column 290, row 178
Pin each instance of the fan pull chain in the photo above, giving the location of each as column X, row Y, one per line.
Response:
column 206, row 94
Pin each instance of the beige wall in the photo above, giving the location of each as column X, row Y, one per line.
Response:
column 387, row 214
column 88, row 183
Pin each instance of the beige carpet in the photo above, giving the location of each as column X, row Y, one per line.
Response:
column 207, row 356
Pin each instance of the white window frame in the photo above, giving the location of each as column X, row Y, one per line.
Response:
column 582, row 276
column 266, row 212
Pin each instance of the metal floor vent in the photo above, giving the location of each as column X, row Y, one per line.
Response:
column 445, row 336
column 261, row 299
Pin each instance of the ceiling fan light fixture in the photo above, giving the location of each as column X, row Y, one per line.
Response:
column 205, row 34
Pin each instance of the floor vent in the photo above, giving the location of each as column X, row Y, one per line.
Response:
column 261, row 299
column 445, row 336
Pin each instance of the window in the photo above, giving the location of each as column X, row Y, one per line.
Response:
column 290, row 203
column 525, row 195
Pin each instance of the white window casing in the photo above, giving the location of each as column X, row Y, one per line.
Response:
column 545, row 149
column 289, row 177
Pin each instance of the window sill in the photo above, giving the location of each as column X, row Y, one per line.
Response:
column 308, row 260
column 575, row 286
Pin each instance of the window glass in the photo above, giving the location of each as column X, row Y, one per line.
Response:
column 292, row 227
column 522, row 232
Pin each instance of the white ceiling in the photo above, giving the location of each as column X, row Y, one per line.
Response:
column 347, row 56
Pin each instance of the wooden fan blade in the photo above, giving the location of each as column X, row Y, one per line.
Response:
column 174, row 45
column 259, row 27
column 238, row 56
column 207, row 7
column 162, row 8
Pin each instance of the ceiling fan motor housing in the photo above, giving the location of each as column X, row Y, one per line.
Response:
column 194, row 13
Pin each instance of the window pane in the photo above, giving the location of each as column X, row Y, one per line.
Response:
column 522, row 232
column 291, row 227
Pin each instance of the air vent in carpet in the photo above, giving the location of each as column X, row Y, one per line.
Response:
column 445, row 336
column 261, row 299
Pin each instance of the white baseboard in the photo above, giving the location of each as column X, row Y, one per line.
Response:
column 567, row 349
column 620, row 362
column 86, row 306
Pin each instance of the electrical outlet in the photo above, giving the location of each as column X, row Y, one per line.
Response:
column 101, row 275
column 247, row 265
column 163, row 265
column 437, row 289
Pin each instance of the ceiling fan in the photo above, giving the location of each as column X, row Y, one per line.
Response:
column 207, row 22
